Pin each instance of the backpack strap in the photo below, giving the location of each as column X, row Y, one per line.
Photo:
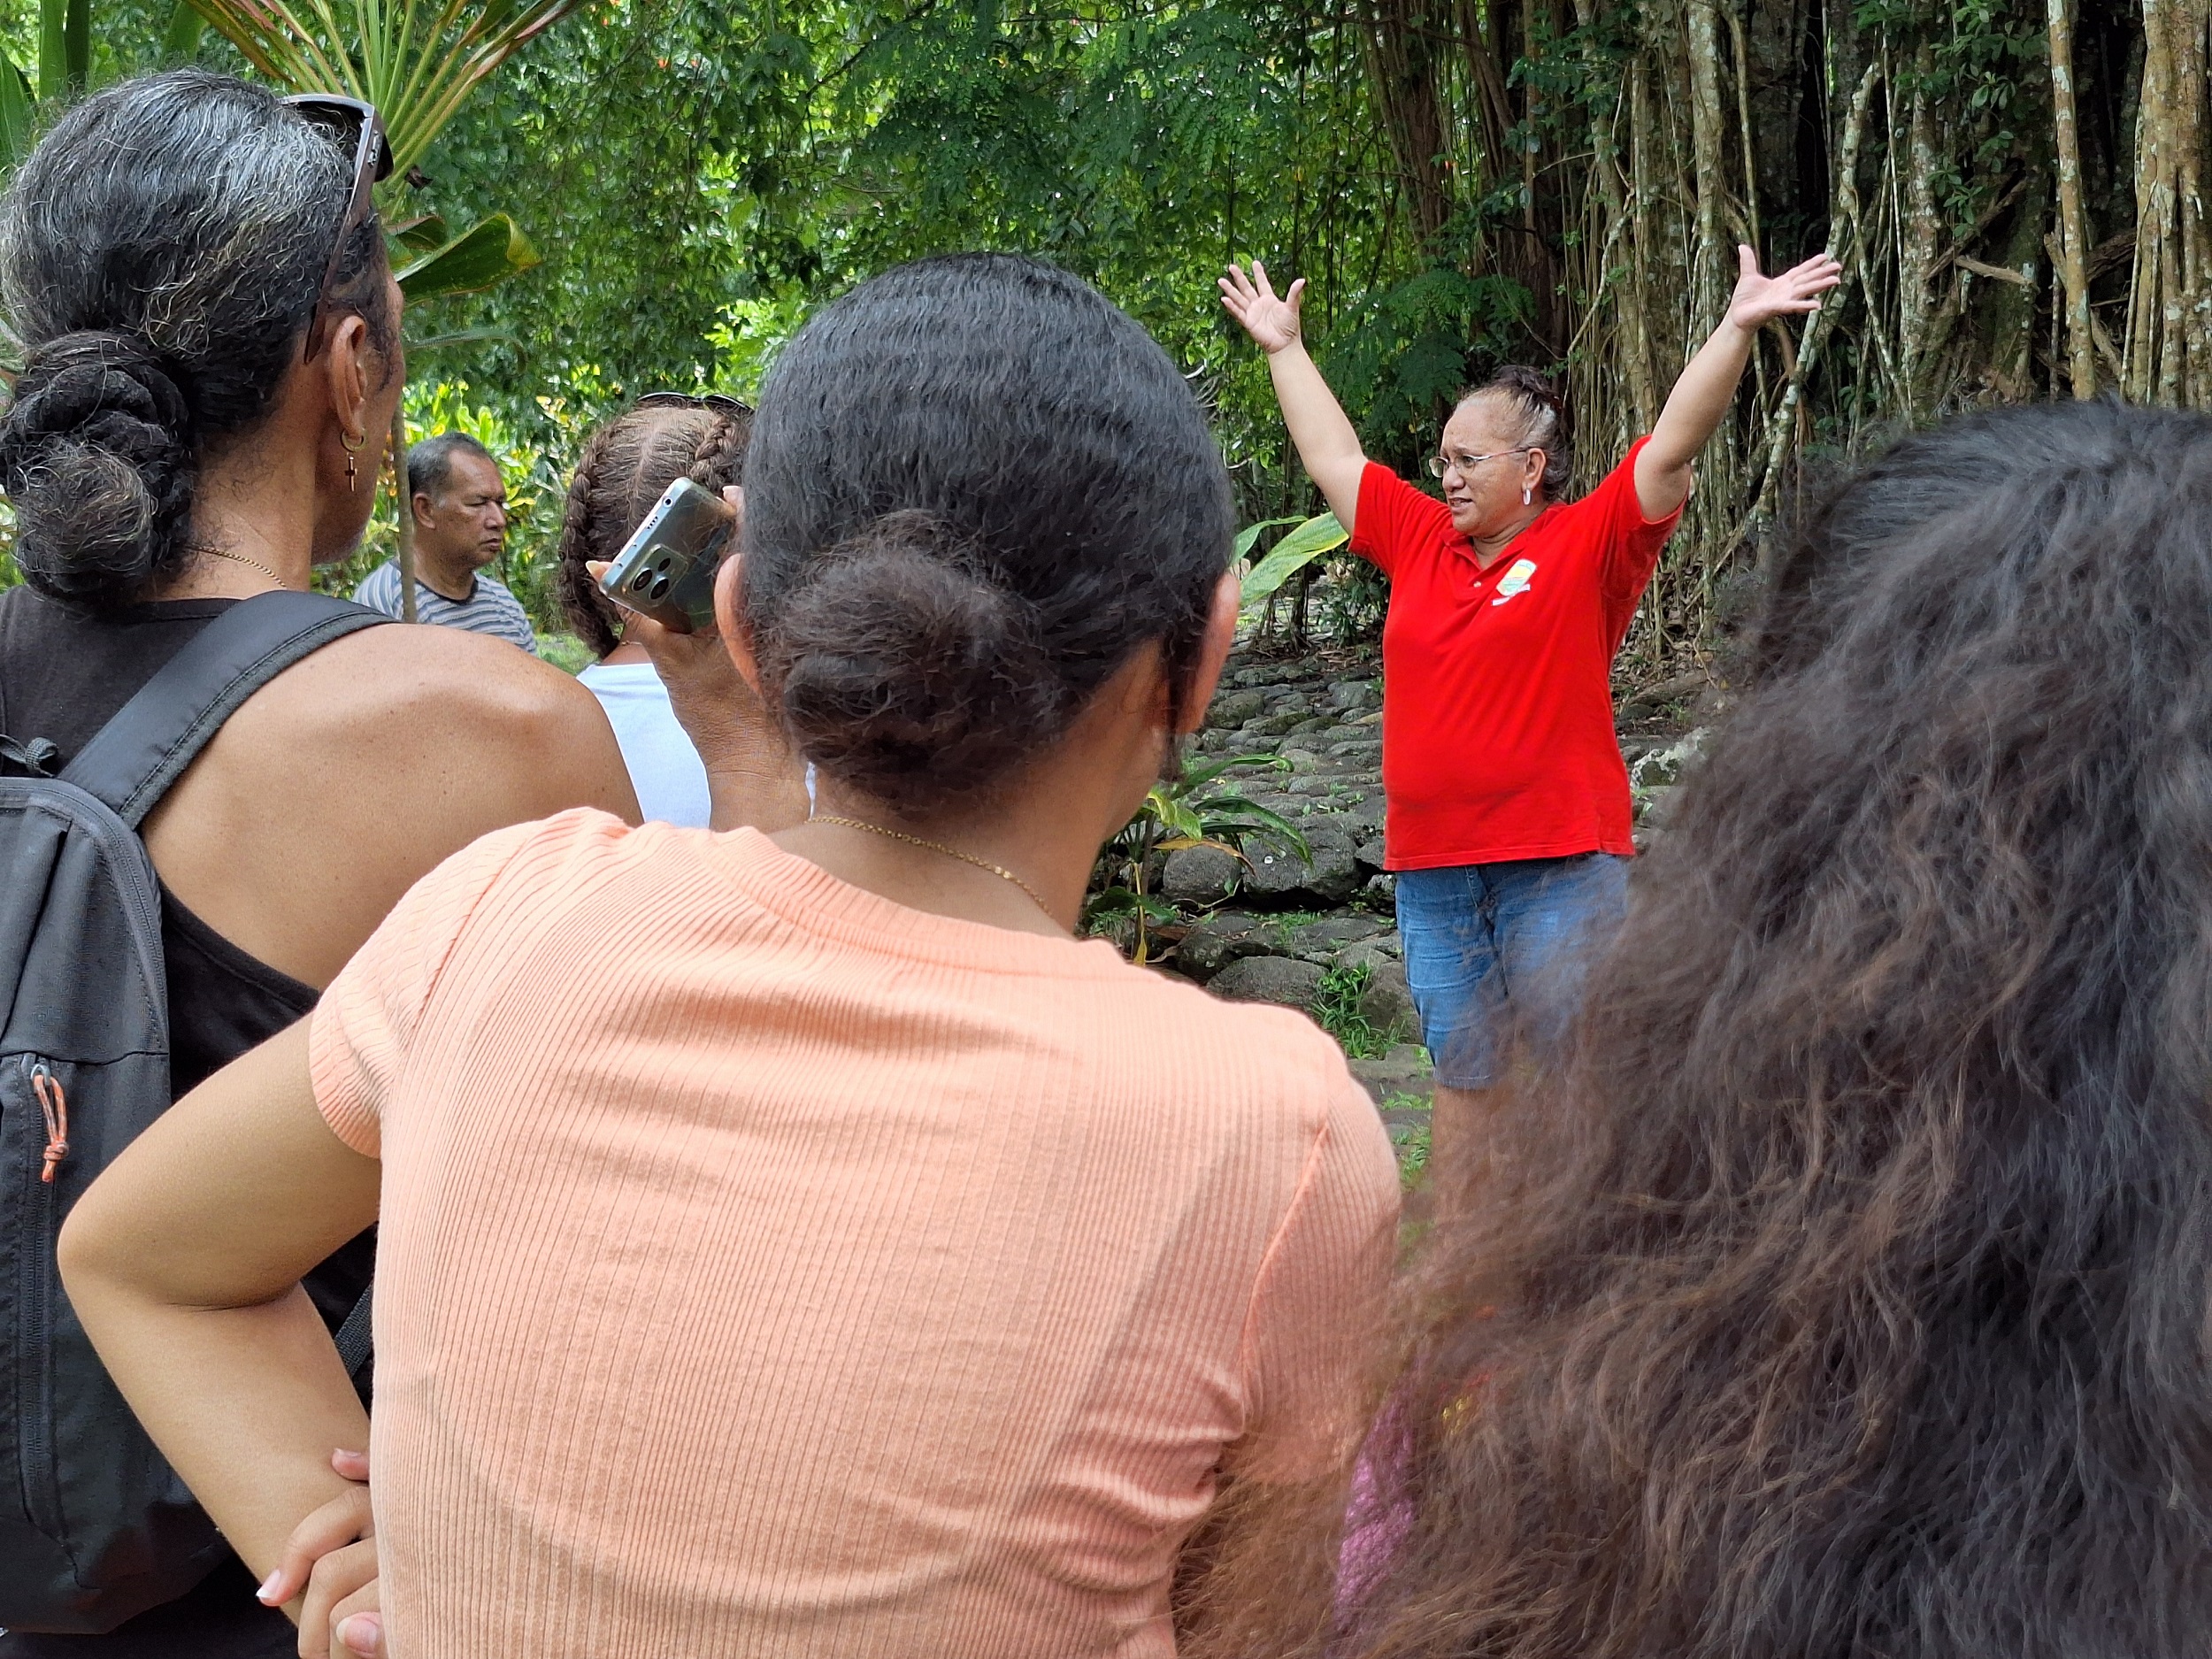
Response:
column 133, row 759
column 352, row 1337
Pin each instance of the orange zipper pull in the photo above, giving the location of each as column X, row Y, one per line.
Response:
column 54, row 1105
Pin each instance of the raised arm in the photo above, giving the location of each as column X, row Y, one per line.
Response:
column 1326, row 441
column 1701, row 397
column 183, row 1260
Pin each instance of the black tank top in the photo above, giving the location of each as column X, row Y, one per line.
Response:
column 63, row 673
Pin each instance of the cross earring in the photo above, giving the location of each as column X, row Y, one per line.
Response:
column 352, row 449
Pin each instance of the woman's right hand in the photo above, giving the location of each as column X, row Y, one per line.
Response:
column 330, row 1563
column 1273, row 323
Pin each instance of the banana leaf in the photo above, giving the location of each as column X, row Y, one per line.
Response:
column 1250, row 533
column 64, row 46
column 182, row 42
column 1308, row 542
column 421, row 233
column 19, row 114
column 489, row 252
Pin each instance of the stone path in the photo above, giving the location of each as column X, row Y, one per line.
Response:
column 1273, row 928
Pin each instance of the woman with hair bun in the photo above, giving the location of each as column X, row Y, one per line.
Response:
column 803, row 1243
column 212, row 359
column 1509, row 819
column 625, row 466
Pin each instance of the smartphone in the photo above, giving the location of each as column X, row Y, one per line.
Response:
column 666, row 568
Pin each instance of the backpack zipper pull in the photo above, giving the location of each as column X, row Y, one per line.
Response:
column 54, row 1105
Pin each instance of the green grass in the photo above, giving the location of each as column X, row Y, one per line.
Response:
column 1337, row 1007
column 1411, row 1144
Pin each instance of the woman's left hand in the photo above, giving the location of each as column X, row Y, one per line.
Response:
column 1758, row 300
column 330, row 1563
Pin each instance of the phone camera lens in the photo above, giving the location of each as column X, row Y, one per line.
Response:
column 660, row 588
column 666, row 560
column 639, row 581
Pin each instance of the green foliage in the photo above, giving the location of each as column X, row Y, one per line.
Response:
column 417, row 64
column 1314, row 539
column 717, row 172
column 481, row 256
column 1189, row 811
column 1413, row 1143
column 1338, row 1008
column 1413, row 345
column 566, row 652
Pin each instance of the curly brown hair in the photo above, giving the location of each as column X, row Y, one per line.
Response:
column 625, row 465
column 1848, row 1296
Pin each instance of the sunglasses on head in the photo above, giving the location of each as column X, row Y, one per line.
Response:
column 345, row 119
column 716, row 401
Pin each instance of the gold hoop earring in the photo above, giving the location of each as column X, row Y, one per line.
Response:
column 352, row 449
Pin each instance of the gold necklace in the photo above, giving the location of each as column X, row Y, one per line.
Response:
column 937, row 846
column 238, row 558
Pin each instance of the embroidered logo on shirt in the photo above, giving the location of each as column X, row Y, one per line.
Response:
column 1515, row 580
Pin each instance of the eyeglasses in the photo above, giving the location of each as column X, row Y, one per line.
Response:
column 720, row 403
column 1439, row 464
column 345, row 118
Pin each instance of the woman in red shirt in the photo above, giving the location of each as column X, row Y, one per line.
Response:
column 1509, row 814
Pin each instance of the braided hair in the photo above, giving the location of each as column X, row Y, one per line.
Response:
column 160, row 255
column 625, row 467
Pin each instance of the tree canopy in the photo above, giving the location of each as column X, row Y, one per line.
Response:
column 2012, row 185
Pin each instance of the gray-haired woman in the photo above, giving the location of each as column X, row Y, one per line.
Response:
column 213, row 356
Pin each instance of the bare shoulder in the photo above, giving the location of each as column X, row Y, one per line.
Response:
column 357, row 771
column 429, row 673
column 435, row 709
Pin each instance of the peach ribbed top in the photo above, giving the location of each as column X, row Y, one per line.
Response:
column 769, row 1268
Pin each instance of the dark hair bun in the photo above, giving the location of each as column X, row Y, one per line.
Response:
column 907, row 671
column 975, row 490
column 1526, row 382
column 1543, row 414
column 97, row 452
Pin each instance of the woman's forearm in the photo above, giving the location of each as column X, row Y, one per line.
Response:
column 247, row 1403
column 1326, row 441
column 1694, row 413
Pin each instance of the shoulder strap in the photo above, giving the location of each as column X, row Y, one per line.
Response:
column 135, row 756
column 352, row 1337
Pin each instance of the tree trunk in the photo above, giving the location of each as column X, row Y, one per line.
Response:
column 1918, row 233
column 1705, row 129
column 2140, row 347
column 1842, row 232
column 2074, row 231
column 1402, row 41
column 1635, row 342
column 406, row 527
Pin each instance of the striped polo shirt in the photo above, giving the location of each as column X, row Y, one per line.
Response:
column 490, row 609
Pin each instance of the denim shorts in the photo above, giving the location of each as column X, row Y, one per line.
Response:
column 1500, row 949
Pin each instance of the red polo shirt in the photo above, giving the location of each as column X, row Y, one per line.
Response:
column 1498, row 715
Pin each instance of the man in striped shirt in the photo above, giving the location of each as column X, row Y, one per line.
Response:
column 460, row 506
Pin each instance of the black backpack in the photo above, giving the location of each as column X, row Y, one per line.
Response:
column 95, row 1526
